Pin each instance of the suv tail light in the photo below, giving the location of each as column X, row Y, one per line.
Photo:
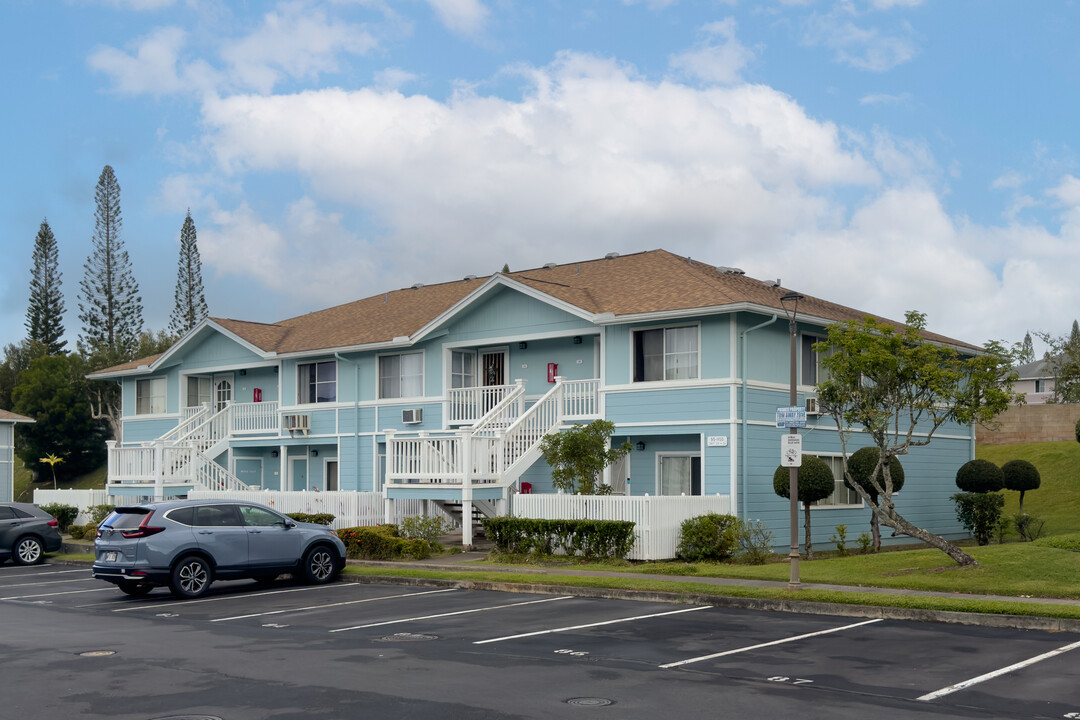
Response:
column 54, row 522
column 143, row 530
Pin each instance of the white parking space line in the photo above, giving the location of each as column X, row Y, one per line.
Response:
column 231, row 596
column 768, row 644
column 47, row 582
column 68, row 592
column 38, row 574
column 330, row 605
column 449, row 614
column 590, row 625
column 997, row 673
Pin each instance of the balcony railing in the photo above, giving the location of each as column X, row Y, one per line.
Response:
column 467, row 405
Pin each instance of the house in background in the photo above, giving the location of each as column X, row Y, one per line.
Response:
column 7, row 453
column 1036, row 381
column 443, row 392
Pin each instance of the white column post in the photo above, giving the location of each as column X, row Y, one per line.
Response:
column 283, row 470
column 110, row 472
column 520, row 382
column 466, row 489
column 159, row 470
column 388, row 503
column 560, row 407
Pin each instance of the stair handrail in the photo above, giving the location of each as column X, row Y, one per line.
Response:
column 514, row 397
column 518, row 439
column 186, row 426
column 217, row 420
column 208, row 473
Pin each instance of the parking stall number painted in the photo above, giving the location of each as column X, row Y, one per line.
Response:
column 786, row 679
column 575, row 653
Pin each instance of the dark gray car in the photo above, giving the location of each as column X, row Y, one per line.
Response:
column 187, row 544
column 26, row 533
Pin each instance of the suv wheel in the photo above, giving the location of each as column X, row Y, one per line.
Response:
column 28, row 551
column 191, row 577
column 320, row 565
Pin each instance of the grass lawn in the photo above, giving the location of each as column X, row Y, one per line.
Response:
column 1058, row 498
column 24, row 485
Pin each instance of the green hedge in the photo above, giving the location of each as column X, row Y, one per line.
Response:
column 64, row 514
column 317, row 518
column 381, row 542
column 589, row 538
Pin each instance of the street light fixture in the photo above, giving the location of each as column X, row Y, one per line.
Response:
column 792, row 300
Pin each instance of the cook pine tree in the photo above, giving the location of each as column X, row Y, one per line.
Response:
column 110, row 307
column 45, row 311
column 190, row 306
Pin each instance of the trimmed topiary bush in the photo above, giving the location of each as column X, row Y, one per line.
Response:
column 980, row 476
column 708, row 537
column 816, row 482
column 860, row 468
column 1020, row 475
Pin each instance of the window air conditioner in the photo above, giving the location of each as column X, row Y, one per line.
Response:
column 812, row 406
column 292, row 423
column 413, row 416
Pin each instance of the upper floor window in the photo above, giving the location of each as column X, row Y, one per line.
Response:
column 199, row 391
column 150, row 396
column 462, row 369
column 810, row 370
column 401, row 376
column 666, row 354
column 316, row 382
column 1040, row 386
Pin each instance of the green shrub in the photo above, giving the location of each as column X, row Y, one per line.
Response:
column 866, row 542
column 980, row 513
column 1029, row 527
column 83, row 532
column 424, row 528
column 98, row 513
column 317, row 518
column 861, row 464
column 708, row 537
column 588, row 538
column 382, row 543
column 1068, row 541
column 64, row 514
column 980, row 476
column 840, row 540
column 755, row 543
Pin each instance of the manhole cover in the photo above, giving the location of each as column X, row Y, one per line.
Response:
column 97, row 653
column 187, row 717
column 590, row 702
column 406, row 637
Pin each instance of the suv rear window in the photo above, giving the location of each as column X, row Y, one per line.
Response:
column 125, row 518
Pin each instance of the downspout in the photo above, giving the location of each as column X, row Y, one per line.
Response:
column 742, row 411
column 356, row 424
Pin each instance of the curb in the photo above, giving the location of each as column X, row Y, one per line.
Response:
column 1018, row 622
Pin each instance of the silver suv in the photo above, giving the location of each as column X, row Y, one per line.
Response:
column 187, row 544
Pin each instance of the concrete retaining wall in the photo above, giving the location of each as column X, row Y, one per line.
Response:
column 1032, row 423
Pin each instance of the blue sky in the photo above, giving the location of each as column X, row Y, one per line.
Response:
column 885, row 154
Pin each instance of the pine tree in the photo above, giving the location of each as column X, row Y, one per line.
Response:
column 110, row 308
column 45, row 314
column 1027, row 350
column 1074, row 336
column 190, row 306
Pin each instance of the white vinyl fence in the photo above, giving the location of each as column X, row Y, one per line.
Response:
column 82, row 499
column 656, row 519
column 349, row 508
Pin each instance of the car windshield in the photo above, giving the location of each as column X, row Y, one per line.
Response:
column 124, row 518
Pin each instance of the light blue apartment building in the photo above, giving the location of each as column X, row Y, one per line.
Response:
column 8, row 420
column 443, row 392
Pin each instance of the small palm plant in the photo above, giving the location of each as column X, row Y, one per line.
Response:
column 52, row 460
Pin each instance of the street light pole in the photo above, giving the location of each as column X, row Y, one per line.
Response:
column 793, row 478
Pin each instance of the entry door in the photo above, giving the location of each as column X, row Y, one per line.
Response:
column 298, row 473
column 680, row 475
column 492, row 373
column 223, row 390
column 331, row 475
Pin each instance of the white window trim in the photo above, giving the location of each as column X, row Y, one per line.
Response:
column 326, row 474
column 849, row 506
column 818, row 337
column 164, row 395
column 423, row 376
column 448, row 378
column 337, row 378
column 664, row 326
column 660, row 454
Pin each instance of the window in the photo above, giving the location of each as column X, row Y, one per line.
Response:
column 217, row 516
column 462, row 369
column 401, row 376
column 680, row 475
column 666, row 354
column 842, row 494
column 331, row 475
column 198, row 391
column 150, row 396
column 809, row 360
column 1040, row 386
column 316, row 382
column 259, row 517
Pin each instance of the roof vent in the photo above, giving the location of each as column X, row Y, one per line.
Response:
column 730, row 270
column 417, row 286
column 611, row 256
column 550, row 266
column 470, row 277
column 776, row 283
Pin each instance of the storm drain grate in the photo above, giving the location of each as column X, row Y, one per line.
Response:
column 590, row 702
column 406, row 637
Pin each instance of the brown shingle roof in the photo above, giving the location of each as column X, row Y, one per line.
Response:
column 646, row 282
column 7, row 416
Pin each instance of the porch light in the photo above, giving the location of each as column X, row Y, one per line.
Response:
column 522, row 345
column 243, row 372
column 273, row 453
column 640, row 445
column 315, row 453
column 577, row 339
column 790, row 303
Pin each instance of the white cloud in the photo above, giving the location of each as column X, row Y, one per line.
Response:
column 716, row 59
column 394, row 78
column 890, row 4
column 866, row 48
column 154, row 66
column 885, row 99
column 467, row 17
column 1010, row 180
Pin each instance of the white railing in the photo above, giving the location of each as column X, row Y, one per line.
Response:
column 467, row 405
column 425, row 459
column 580, row 399
column 260, row 417
column 350, row 509
column 131, row 464
column 193, row 417
column 502, row 413
column 657, row 520
column 80, row 498
column 213, row 476
column 529, row 429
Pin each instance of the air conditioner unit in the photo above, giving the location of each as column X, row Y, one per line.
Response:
column 812, row 406
column 413, row 416
column 292, row 423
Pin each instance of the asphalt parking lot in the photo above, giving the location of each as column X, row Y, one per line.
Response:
column 74, row 646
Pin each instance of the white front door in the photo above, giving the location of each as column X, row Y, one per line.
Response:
column 223, row 390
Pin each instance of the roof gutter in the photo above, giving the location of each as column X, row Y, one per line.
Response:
column 743, row 476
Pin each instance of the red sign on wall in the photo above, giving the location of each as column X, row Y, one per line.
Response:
column 553, row 370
